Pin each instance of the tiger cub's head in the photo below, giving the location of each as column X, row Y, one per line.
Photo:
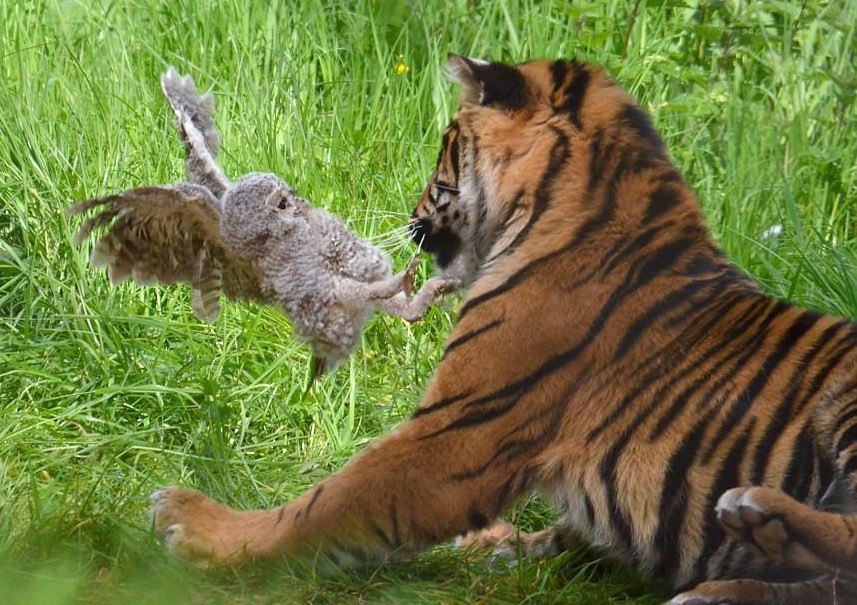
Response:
column 514, row 142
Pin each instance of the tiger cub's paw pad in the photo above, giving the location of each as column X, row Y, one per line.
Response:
column 745, row 518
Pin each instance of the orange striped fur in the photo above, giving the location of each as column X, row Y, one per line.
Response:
column 607, row 354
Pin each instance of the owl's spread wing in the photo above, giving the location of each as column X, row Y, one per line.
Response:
column 168, row 234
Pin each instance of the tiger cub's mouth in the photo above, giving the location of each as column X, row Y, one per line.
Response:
column 442, row 243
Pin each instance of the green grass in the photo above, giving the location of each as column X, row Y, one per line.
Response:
column 106, row 394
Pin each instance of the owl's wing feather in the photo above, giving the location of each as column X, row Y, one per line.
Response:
column 205, row 296
column 168, row 234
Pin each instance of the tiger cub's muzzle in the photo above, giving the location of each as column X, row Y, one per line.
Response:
column 443, row 243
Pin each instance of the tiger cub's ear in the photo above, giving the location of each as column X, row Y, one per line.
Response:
column 494, row 84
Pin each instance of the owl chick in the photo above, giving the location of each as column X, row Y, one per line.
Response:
column 253, row 239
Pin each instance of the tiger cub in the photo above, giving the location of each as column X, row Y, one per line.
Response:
column 607, row 354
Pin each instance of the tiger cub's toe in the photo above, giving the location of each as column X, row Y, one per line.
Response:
column 745, row 517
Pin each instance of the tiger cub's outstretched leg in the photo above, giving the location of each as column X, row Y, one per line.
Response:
column 195, row 121
column 411, row 490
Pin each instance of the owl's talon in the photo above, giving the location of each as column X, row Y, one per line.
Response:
column 410, row 275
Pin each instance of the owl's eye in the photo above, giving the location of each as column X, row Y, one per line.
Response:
column 282, row 204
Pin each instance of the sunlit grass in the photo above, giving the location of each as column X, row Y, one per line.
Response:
column 108, row 393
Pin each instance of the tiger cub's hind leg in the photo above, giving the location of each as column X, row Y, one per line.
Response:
column 790, row 532
column 787, row 532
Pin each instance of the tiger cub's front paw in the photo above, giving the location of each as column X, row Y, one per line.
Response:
column 192, row 526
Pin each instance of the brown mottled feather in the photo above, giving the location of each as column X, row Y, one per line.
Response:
column 168, row 234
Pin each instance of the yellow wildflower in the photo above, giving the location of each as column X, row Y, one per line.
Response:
column 401, row 67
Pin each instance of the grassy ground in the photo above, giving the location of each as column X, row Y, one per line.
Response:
column 106, row 394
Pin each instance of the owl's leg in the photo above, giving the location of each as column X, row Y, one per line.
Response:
column 409, row 275
column 413, row 309
column 207, row 285
column 390, row 294
column 357, row 293
column 401, row 282
column 393, row 294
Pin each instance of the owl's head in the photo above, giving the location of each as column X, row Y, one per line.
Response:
column 258, row 210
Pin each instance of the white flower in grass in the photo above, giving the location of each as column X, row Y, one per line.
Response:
column 772, row 232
